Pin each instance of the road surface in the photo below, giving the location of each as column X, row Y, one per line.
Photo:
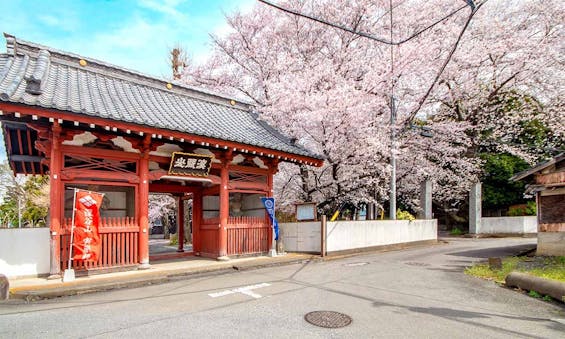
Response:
column 416, row 293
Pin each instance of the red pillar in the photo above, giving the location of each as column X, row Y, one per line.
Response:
column 144, row 205
column 224, row 211
column 56, row 197
column 196, row 220
column 180, row 224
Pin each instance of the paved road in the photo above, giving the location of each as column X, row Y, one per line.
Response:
column 417, row 293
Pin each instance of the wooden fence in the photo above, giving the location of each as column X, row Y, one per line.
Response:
column 120, row 244
column 248, row 235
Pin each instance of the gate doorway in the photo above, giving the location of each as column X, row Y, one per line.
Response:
column 170, row 225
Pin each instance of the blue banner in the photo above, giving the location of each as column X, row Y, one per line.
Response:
column 269, row 204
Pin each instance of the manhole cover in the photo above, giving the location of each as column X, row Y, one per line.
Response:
column 328, row 319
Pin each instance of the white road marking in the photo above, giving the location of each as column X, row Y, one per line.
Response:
column 356, row 264
column 247, row 290
column 221, row 294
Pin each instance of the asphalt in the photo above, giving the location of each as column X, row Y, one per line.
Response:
column 32, row 289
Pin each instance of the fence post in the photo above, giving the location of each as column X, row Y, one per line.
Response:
column 475, row 212
column 323, row 227
column 425, row 200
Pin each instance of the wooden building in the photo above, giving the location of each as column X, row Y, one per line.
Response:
column 91, row 125
column 547, row 182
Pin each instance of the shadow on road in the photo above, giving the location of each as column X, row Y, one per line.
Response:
column 495, row 251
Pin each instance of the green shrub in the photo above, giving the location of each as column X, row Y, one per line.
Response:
column 173, row 239
column 534, row 294
column 456, row 231
column 529, row 209
column 516, row 211
column 547, row 298
column 404, row 215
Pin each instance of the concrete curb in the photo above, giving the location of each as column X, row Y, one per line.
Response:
column 554, row 289
column 142, row 278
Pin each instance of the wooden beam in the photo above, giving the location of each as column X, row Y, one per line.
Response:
column 25, row 158
column 67, row 116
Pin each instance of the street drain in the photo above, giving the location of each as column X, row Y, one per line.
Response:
column 328, row 319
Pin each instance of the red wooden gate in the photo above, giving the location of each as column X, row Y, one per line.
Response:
column 120, row 244
column 248, row 235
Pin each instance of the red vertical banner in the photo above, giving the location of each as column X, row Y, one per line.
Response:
column 86, row 244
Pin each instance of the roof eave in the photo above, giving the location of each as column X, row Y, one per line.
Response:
column 164, row 133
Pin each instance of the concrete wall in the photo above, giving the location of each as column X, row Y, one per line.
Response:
column 551, row 243
column 301, row 236
column 508, row 225
column 352, row 235
column 349, row 235
column 24, row 252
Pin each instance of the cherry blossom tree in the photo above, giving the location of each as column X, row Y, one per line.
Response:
column 507, row 77
column 161, row 206
column 330, row 89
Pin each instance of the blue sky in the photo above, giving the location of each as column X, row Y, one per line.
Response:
column 132, row 34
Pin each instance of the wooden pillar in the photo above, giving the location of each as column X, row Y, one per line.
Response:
column 180, row 224
column 196, row 220
column 56, row 198
column 144, row 204
column 224, row 210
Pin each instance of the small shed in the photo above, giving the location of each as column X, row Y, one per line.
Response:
column 547, row 181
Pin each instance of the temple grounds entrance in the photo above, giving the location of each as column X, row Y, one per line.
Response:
column 102, row 128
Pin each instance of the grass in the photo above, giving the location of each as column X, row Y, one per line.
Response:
column 544, row 267
column 456, row 231
column 483, row 271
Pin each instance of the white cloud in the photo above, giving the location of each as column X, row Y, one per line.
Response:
column 49, row 20
column 167, row 7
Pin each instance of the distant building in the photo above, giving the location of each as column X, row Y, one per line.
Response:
column 547, row 182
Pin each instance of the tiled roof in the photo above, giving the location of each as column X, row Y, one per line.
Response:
column 539, row 167
column 36, row 75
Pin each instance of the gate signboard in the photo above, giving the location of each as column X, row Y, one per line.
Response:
column 190, row 164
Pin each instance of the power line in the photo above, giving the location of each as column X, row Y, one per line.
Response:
column 469, row 3
column 359, row 33
column 453, row 49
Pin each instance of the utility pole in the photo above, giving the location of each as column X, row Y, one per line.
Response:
column 469, row 3
column 392, row 200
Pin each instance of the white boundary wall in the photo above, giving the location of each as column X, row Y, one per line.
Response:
column 301, row 236
column 351, row 235
column 509, row 225
column 24, row 252
column 348, row 235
